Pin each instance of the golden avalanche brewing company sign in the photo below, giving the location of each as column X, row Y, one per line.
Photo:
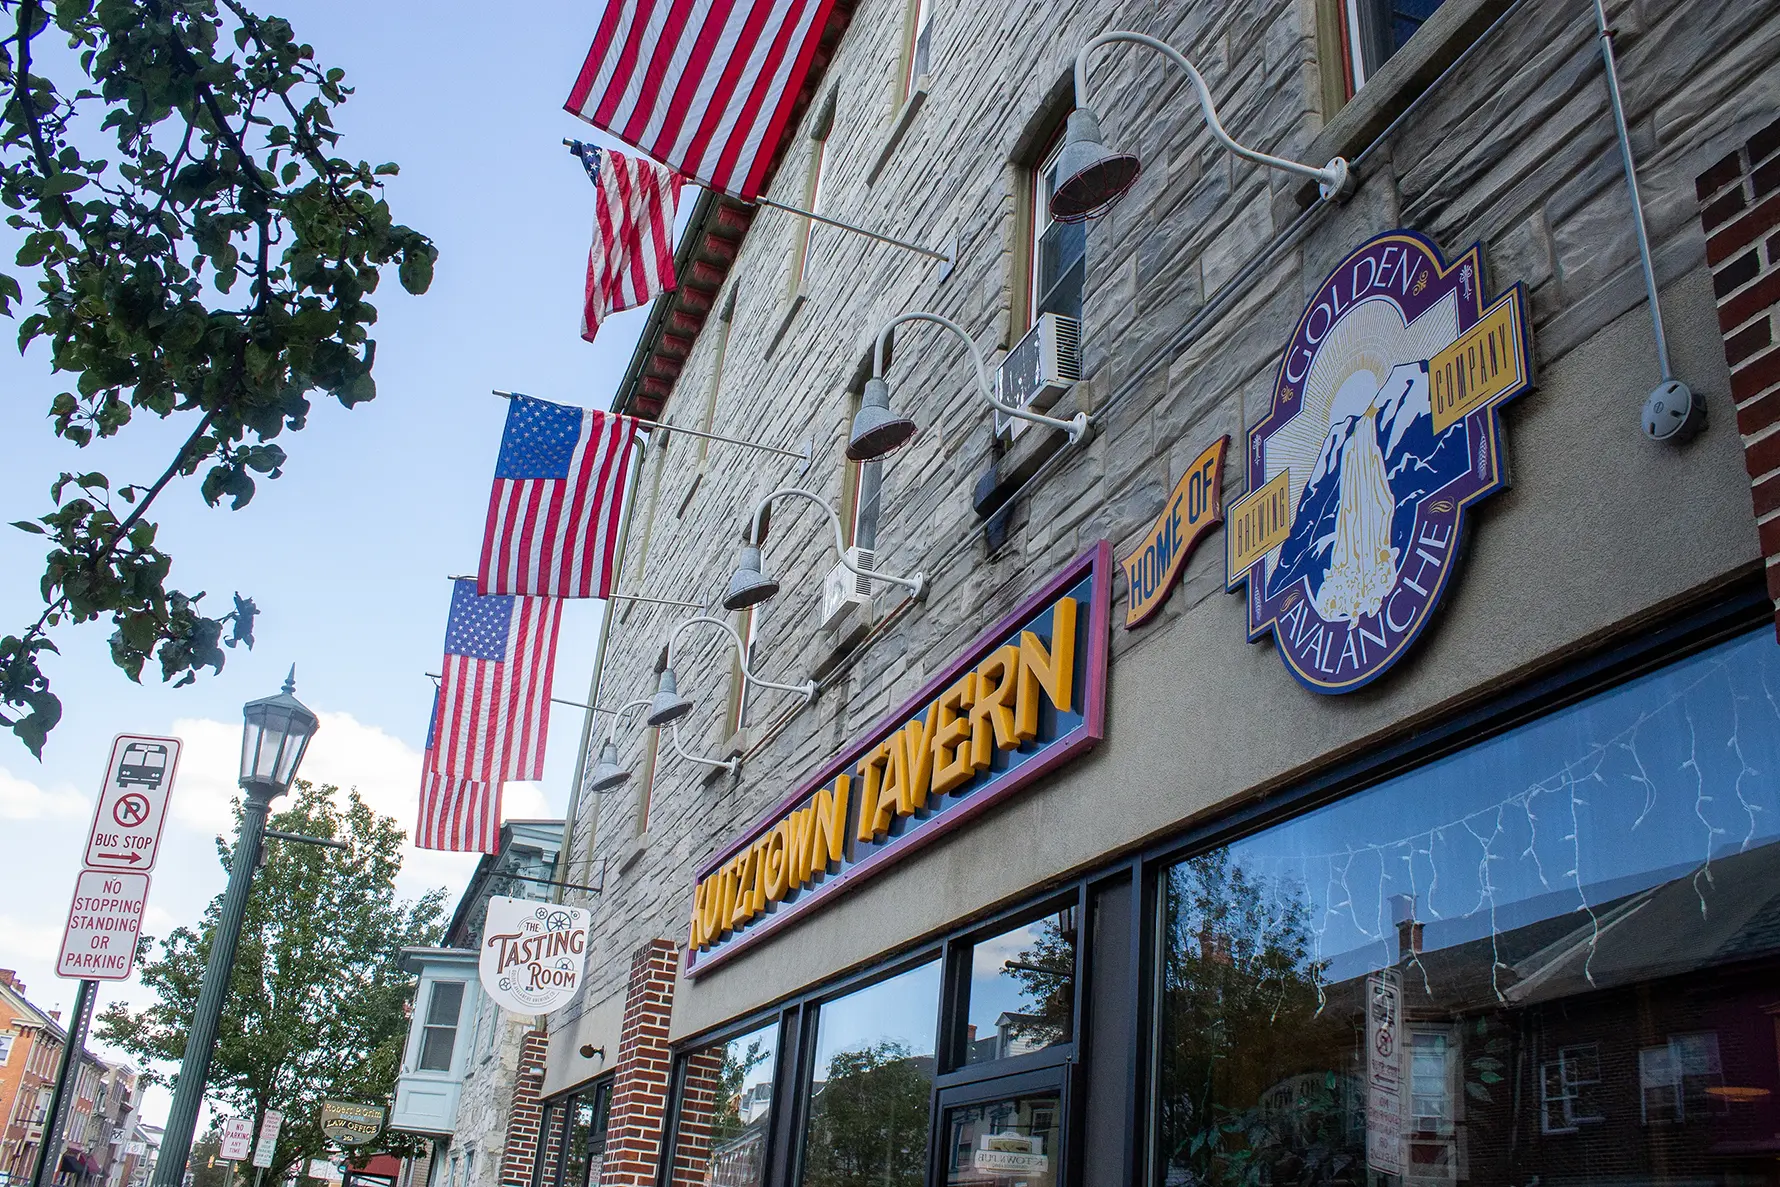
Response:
column 1027, row 694
column 533, row 953
column 1193, row 509
column 1384, row 428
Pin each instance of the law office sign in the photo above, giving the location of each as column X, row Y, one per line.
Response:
column 1023, row 697
column 350, row 1124
column 1384, row 429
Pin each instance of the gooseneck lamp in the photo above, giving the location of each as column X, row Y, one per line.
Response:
column 1091, row 177
column 608, row 774
column 807, row 689
column 749, row 585
column 668, row 705
column 1076, row 426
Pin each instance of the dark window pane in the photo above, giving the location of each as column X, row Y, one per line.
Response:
column 871, row 1085
column 1548, row 958
column 447, row 1000
column 580, row 1129
column 435, row 1048
column 726, row 1111
column 1022, row 989
column 544, row 1168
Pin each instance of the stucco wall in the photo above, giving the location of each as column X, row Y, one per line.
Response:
column 1601, row 531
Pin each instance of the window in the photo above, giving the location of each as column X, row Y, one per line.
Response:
column 747, row 625
column 725, row 1111
column 1570, row 1089
column 870, row 1084
column 1059, row 260
column 1373, row 30
column 546, row 1170
column 706, row 422
column 918, row 54
column 646, row 784
column 1591, row 885
column 439, row 1034
column 6, row 1047
column 1022, row 989
column 815, row 191
column 584, row 1149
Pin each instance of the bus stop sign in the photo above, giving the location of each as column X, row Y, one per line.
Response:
column 132, row 804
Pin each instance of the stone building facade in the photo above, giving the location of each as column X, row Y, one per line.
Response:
column 1610, row 556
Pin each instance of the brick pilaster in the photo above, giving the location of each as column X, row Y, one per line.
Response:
column 1740, row 212
column 640, row 1083
column 520, row 1154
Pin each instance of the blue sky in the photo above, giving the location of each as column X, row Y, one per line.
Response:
column 347, row 554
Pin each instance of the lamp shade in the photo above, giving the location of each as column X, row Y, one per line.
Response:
column 748, row 586
column 607, row 774
column 668, row 705
column 275, row 732
column 876, row 430
column 1090, row 177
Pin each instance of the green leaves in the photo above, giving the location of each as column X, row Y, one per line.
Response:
column 211, row 266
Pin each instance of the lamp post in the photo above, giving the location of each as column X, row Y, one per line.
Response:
column 275, row 732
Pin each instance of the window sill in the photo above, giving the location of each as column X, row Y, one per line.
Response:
column 1400, row 81
column 905, row 116
column 787, row 314
column 628, row 857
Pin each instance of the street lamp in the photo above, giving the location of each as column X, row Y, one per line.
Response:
column 274, row 734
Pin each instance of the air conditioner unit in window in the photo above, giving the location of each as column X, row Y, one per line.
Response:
column 1040, row 368
column 843, row 588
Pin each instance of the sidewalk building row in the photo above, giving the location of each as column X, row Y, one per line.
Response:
column 1357, row 760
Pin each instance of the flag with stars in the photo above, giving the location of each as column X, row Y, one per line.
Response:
column 632, row 256
column 553, row 514
column 494, row 690
column 455, row 814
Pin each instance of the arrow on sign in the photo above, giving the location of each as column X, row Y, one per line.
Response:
column 99, row 859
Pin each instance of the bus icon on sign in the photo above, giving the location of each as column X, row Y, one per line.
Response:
column 144, row 765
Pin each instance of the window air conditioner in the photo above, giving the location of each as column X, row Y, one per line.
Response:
column 843, row 588
column 1040, row 368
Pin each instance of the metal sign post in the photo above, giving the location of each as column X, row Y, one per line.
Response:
column 61, row 1102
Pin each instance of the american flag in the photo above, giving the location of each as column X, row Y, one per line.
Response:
column 632, row 257
column 553, row 514
column 494, row 690
column 704, row 86
column 457, row 815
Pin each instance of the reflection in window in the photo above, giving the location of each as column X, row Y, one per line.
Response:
column 1006, row 1142
column 1022, row 989
column 871, row 1084
column 726, row 1111
column 1584, row 914
column 1373, row 30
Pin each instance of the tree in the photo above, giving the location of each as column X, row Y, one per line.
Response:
column 318, row 1006
column 169, row 151
column 868, row 1119
column 207, row 1167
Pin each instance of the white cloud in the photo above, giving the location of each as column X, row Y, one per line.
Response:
column 21, row 799
column 349, row 754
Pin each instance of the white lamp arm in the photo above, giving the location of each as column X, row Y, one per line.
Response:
column 806, row 689
column 1076, row 428
column 916, row 585
column 727, row 764
column 620, row 711
column 1331, row 179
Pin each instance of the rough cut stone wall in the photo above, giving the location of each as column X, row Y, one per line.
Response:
column 491, row 1085
column 640, row 1085
column 1740, row 212
column 1514, row 148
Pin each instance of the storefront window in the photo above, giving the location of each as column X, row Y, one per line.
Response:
column 1022, row 989
column 1550, row 957
column 871, row 1084
column 726, row 1111
column 1007, row 1142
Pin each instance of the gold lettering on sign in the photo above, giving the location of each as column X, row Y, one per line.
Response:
column 1484, row 364
column 1259, row 522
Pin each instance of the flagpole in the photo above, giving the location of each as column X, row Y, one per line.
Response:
column 803, row 455
column 574, row 146
column 555, row 700
column 617, row 597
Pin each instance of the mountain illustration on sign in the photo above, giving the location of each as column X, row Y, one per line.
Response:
column 1353, row 521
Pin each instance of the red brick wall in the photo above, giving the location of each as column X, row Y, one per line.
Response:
column 640, row 1085
column 524, row 1119
column 1740, row 211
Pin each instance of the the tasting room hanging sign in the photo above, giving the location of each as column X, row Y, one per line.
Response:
column 1026, row 695
column 1384, row 428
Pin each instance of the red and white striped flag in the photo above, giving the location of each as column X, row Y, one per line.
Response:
column 703, row 86
column 494, row 690
column 553, row 514
column 456, row 815
column 632, row 257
